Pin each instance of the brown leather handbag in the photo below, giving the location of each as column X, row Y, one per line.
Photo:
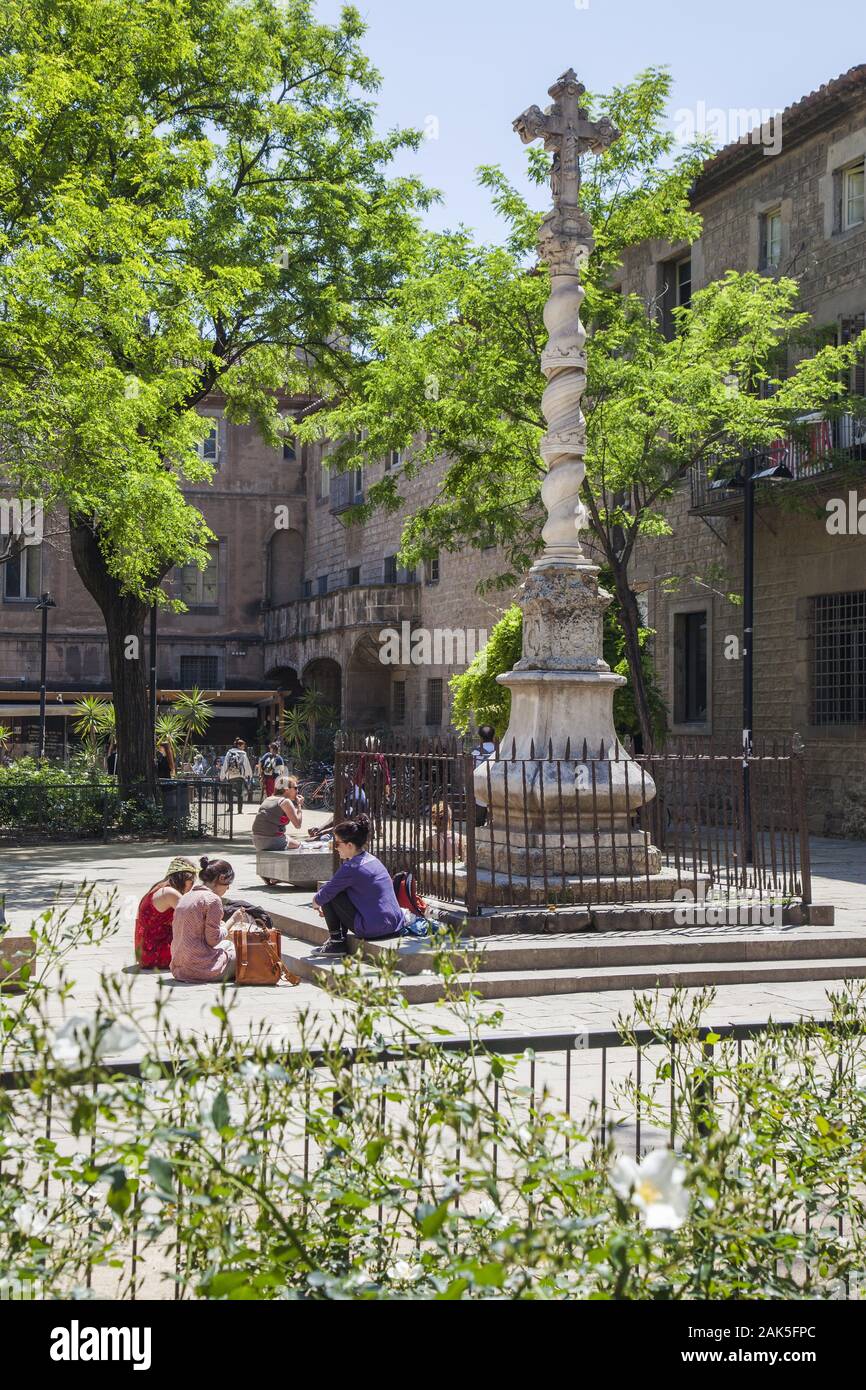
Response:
column 257, row 952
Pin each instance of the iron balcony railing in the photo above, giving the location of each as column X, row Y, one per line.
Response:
column 816, row 447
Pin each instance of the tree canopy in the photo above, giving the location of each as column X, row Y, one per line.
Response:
column 193, row 199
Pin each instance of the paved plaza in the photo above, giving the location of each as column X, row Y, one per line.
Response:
column 34, row 878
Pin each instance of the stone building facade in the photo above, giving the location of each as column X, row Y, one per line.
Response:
column 798, row 212
column 292, row 597
column 379, row 642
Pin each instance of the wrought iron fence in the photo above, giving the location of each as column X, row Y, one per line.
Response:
column 634, row 1090
column 596, row 826
column 39, row 810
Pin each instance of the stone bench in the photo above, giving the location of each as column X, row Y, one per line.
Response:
column 302, row 868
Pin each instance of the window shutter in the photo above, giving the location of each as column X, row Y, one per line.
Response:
column 222, row 441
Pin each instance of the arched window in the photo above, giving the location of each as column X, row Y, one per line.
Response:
column 285, row 567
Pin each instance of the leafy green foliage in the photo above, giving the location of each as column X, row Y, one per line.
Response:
column 454, row 370
column 442, row 1175
column 480, row 699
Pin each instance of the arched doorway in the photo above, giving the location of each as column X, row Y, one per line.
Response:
column 285, row 567
column 324, row 675
column 368, row 687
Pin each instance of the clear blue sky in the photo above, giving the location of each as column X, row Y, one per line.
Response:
column 476, row 64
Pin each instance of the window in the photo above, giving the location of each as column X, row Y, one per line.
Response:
column 23, row 574
column 390, row 570
column 324, row 481
column 354, row 576
column 393, row 459
column 398, row 702
column 209, row 447
column 290, row 453
column 200, row 671
column 433, row 713
column 200, row 588
column 431, row 570
column 690, row 668
column 322, row 584
column 838, row 641
column 853, row 196
column 358, row 484
column 675, row 290
column 307, row 589
column 684, row 283
column 771, row 239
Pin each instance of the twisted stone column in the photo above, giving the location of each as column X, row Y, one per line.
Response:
column 554, row 807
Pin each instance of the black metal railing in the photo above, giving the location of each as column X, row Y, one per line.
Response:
column 617, row 1086
column 817, row 446
column 60, row 811
column 595, row 826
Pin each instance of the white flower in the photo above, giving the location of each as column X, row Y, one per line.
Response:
column 655, row 1187
column 85, row 1039
column 401, row 1271
column 29, row 1221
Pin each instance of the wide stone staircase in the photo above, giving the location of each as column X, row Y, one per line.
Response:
column 524, row 954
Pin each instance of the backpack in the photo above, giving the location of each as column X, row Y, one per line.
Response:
column 268, row 764
column 234, row 760
column 407, row 894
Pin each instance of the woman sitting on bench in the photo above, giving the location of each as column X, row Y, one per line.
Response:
column 284, row 808
column 360, row 897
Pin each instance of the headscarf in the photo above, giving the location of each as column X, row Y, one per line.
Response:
column 181, row 866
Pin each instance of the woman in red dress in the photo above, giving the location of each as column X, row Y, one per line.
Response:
column 156, row 913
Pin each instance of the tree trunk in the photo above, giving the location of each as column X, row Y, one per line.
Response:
column 630, row 619
column 124, row 616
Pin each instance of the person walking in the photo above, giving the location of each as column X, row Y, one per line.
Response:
column 271, row 766
column 236, row 770
column 360, row 897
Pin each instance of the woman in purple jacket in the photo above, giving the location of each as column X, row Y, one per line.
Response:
column 360, row 897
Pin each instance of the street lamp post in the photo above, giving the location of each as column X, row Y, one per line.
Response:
column 153, row 613
column 750, row 473
column 45, row 602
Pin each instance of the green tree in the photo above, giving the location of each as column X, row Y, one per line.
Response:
column 455, row 371
column 194, row 201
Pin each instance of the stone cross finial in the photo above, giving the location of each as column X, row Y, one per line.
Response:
column 567, row 132
column 564, row 238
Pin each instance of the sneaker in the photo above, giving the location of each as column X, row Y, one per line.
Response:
column 333, row 947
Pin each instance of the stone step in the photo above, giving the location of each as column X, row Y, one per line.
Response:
column 595, row 949
column 513, row 984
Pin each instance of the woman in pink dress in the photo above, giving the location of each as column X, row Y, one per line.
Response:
column 201, row 947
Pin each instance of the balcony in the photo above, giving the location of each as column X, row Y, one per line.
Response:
column 358, row 607
column 818, row 447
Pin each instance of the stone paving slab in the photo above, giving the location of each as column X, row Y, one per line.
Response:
column 34, row 877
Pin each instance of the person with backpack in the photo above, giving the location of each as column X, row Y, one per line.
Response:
column 271, row 765
column 236, row 770
column 360, row 897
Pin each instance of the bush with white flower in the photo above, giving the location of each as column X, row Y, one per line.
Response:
column 232, row 1168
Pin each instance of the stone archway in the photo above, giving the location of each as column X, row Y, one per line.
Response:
column 325, row 676
column 285, row 567
column 368, row 687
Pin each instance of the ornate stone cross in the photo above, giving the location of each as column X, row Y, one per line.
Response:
column 564, row 238
column 567, row 133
